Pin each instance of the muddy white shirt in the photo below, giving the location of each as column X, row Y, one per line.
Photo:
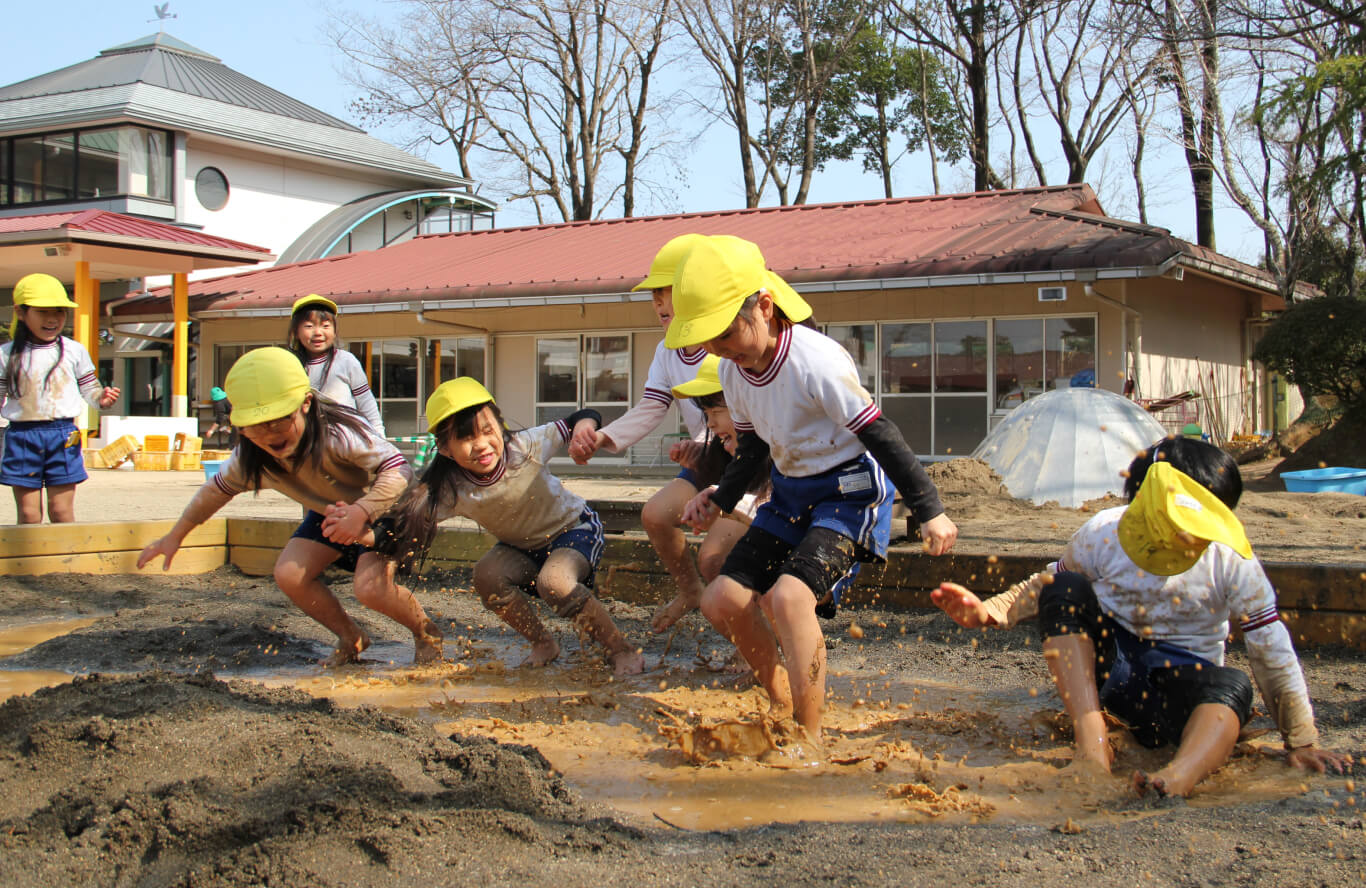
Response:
column 520, row 502
column 363, row 469
column 669, row 368
column 63, row 395
column 346, row 384
column 809, row 405
column 1192, row 610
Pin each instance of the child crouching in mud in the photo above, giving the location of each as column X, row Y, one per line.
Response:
column 326, row 458
column 1134, row 618
column 549, row 540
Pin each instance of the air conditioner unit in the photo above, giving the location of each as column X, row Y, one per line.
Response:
column 1052, row 294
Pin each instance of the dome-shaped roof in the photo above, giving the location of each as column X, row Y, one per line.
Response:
column 1068, row 445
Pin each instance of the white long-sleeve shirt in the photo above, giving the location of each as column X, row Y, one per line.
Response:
column 346, row 384
column 670, row 367
column 62, row 395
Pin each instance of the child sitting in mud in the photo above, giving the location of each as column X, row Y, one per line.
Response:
column 327, row 459
column 795, row 394
column 549, row 540
column 1135, row 614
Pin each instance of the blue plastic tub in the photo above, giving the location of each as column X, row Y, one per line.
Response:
column 211, row 468
column 1334, row 479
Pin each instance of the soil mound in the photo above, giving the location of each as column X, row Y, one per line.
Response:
column 161, row 779
column 966, row 477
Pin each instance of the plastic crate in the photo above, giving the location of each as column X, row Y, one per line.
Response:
column 113, row 454
column 92, row 459
column 219, row 455
column 152, row 462
column 157, row 443
column 188, row 444
column 1334, row 479
column 211, row 467
column 185, row 462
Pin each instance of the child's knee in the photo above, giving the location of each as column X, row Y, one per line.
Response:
column 1068, row 606
column 709, row 563
column 660, row 515
column 566, row 602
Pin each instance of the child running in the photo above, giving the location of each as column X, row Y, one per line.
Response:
column 1135, row 614
column 662, row 514
column 326, row 458
column 333, row 372
column 794, row 395
column 46, row 381
column 549, row 540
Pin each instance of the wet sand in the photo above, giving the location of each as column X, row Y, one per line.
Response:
column 241, row 762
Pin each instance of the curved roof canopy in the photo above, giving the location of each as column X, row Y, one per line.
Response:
column 329, row 234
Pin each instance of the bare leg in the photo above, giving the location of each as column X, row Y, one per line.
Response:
column 560, row 582
column 732, row 611
column 722, row 537
column 1072, row 663
column 377, row 589
column 660, row 517
column 498, row 578
column 792, row 608
column 297, row 571
column 1206, row 743
column 28, row 504
column 61, row 503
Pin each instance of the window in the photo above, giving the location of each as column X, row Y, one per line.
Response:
column 1034, row 355
column 86, row 165
column 394, row 363
column 211, row 188
column 604, row 383
column 860, row 340
column 457, row 356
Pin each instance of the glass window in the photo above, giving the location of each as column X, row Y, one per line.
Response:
column 6, row 156
column 906, row 358
column 211, row 188
column 912, row 415
column 557, row 378
column 960, row 424
column 395, row 362
column 87, row 165
column 59, row 166
column 1071, row 350
column 860, row 340
column 456, row 356
column 1019, row 361
column 606, row 380
column 99, row 164
column 607, row 377
column 960, row 356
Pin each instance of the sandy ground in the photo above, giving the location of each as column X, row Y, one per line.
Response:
column 201, row 744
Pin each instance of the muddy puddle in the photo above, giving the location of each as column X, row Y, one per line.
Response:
column 687, row 744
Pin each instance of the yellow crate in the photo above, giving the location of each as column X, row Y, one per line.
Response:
column 184, row 462
column 152, row 462
column 214, row 455
column 93, row 460
column 188, row 443
column 157, row 443
column 113, row 454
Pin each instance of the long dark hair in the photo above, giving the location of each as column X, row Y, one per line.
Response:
column 322, row 420
column 22, row 337
column 413, row 517
column 714, row 459
column 1206, row 464
column 313, row 311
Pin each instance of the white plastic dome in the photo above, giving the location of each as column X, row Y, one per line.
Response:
column 1068, row 445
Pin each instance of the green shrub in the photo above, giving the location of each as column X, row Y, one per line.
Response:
column 1320, row 346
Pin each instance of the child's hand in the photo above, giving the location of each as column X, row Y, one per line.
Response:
column 939, row 534
column 1311, row 758
column 962, row 605
column 585, row 441
column 163, row 546
column 699, row 514
column 109, row 395
column 686, row 453
column 345, row 523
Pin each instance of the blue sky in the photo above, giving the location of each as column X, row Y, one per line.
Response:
column 283, row 43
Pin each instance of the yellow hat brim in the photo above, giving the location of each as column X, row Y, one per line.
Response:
column 313, row 299
column 1173, row 519
column 706, row 382
column 702, row 328
column 265, row 384
column 455, row 395
column 284, row 405
column 40, row 290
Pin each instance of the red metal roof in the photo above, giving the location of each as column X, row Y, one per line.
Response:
column 107, row 222
column 1031, row 230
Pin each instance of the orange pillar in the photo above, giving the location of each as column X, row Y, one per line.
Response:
column 180, row 335
column 85, row 329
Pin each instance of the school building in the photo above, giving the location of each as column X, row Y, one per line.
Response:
column 957, row 308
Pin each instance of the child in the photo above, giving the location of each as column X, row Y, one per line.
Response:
column 1134, row 617
column 795, row 394
column 324, row 457
column 46, row 380
column 222, row 413
column 334, row 372
column 549, row 540
column 670, row 367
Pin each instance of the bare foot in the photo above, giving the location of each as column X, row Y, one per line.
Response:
column 736, row 665
column 664, row 617
column 1143, row 781
column 427, row 646
column 542, row 653
column 347, row 651
column 628, row 662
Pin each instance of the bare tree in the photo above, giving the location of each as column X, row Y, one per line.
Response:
column 552, row 94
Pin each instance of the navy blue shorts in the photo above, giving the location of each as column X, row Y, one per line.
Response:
column 690, row 476
column 585, row 537
column 854, row 500
column 42, row 454
column 311, row 528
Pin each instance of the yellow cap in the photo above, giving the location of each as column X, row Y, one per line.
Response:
column 38, row 291
column 452, row 396
column 713, row 280
column 666, row 262
column 265, row 384
column 706, row 382
column 313, row 299
column 1173, row 519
